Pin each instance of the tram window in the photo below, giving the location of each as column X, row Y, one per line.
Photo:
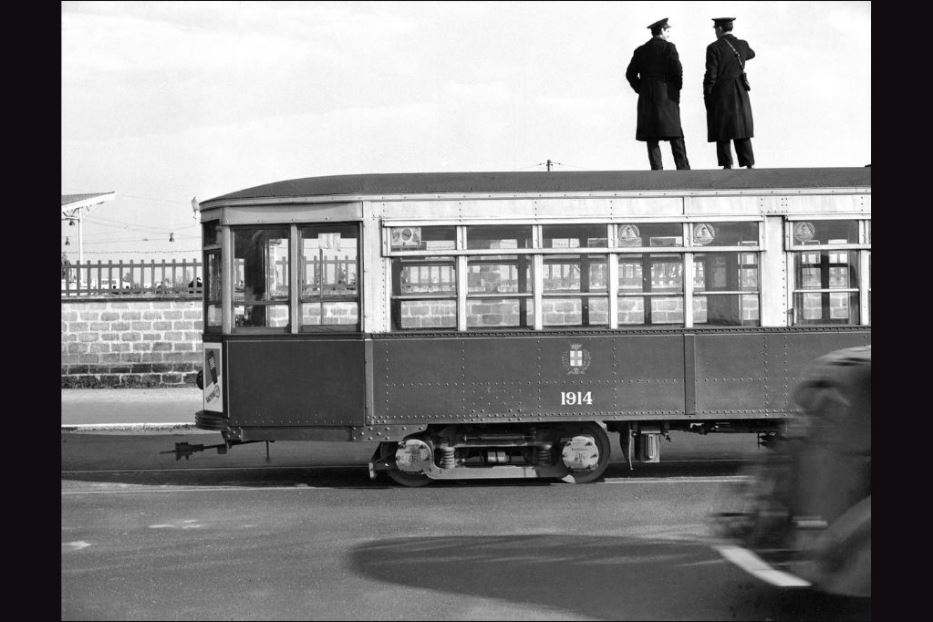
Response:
column 725, row 234
column 488, row 277
column 819, row 232
column 495, row 236
column 329, row 276
column 575, row 236
column 726, row 289
column 577, row 274
column 826, row 287
column 210, row 233
column 650, row 234
column 212, row 291
column 424, row 293
column 651, row 289
column 260, row 292
column 422, row 238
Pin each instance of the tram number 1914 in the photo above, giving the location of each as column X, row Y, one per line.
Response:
column 575, row 398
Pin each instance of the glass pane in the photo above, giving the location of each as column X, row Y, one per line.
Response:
column 508, row 236
column 726, row 310
column 650, row 234
column 575, row 311
column 214, row 277
column 630, row 274
column 725, row 272
column 267, row 316
column 667, row 310
column 667, row 273
column 725, row 233
column 214, row 315
column 511, row 274
column 329, row 313
column 573, row 273
column 631, row 310
column 210, row 232
column 330, row 261
column 825, row 231
column 412, row 314
column 827, row 270
column 575, row 236
column 424, row 277
column 829, row 307
column 499, row 312
column 261, row 259
column 422, row 238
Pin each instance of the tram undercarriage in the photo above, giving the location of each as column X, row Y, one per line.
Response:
column 574, row 452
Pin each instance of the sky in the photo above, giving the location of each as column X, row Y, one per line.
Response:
column 166, row 101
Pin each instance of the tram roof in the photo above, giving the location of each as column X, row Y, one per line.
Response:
column 382, row 184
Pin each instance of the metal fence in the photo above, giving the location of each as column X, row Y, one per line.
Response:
column 168, row 279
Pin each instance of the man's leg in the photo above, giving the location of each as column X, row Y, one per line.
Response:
column 724, row 153
column 679, row 149
column 743, row 149
column 654, row 155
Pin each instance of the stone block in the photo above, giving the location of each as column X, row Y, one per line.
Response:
column 109, row 316
column 88, row 337
column 162, row 325
column 99, row 348
column 162, row 346
column 141, row 325
column 129, row 316
column 131, row 337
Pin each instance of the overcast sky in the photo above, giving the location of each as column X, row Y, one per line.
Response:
column 163, row 101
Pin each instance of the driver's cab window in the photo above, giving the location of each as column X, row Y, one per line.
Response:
column 260, row 293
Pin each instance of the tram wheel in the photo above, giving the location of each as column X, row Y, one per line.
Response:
column 602, row 445
column 412, row 480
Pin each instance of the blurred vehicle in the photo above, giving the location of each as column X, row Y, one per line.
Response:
column 804, row 516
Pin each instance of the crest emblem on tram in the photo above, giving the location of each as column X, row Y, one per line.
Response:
column 576, row 360
column 804, row 231
column 629, row 235
column 703, row 233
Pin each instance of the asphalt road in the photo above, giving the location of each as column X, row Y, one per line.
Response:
column 326, row 543
column 301, row 532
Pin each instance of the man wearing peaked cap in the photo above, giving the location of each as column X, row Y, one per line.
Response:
column 655, row 73
column 725, row 93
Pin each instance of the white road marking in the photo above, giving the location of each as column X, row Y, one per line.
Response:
column 754, row 565
column 75, row 546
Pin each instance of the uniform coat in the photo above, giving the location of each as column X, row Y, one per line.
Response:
column 728, row 109
column 657, row 76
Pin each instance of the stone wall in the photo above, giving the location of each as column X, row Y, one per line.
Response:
column 130, row 343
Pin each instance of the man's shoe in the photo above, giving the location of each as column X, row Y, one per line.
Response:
column 727, row 167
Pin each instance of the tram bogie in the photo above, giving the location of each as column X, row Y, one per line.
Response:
column 500, row 325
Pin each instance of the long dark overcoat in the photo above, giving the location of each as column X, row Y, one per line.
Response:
column 657, row 76
column 728, row 108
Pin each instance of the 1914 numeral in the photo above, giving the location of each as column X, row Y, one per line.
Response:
column 575, row 398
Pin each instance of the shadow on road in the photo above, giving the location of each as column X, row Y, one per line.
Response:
column 599, row 577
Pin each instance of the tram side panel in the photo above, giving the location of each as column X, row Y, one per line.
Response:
column 281, row 383
column 749, row 374
column 508, row 378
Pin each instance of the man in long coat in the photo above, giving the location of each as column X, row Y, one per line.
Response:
column 657, row 76
column 728, row 108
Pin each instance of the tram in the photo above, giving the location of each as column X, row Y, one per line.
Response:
column 502, row 324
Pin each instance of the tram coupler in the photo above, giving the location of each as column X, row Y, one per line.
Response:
column 184, row 450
